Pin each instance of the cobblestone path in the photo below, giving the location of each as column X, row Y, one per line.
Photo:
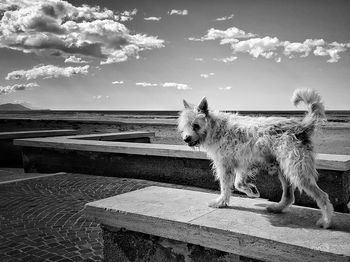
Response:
column 43, row 219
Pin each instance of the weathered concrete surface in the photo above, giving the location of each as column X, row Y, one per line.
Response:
column 136, row 137
column 11, row 155
column 323, row 161
column 245, row 228
column 183, row 171
column 162, row 169
column 119, row 245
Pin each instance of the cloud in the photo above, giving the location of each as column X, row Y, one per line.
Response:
column 304, row 49
column 118, row 82
column 16, row 87
column 271, row 47
column 166, row 84
column 332, row 51
column 226, row 60
column 230, row 34
column 47, row 71
column 226, row 88
column 206, row 75
column 224, row 18
column 256, row 47
column 145, row 84
column 178, row 12
column 58, row 27
column 76, row 60
column 178, row 86
column 152, row 18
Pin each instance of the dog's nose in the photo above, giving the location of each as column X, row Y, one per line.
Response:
column 187, row 139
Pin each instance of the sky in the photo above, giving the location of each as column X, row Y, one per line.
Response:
column 151, row 54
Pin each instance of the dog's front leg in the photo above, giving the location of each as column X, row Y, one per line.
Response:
column 226, row 181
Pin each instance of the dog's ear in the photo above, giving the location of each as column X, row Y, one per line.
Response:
column 187, row 105
column 203, row 106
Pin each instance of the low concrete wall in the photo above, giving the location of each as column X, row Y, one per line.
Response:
column 183, row 171
column 200, row 232
column 168, row 163
column 124, row 245
column 11, row 155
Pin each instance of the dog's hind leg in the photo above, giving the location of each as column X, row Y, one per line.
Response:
column 287, row 196
column 226, row 181
column 241, row 184
column 322, row 200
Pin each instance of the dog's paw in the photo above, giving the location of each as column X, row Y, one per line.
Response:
column 325, row 223
column 275, row 208
column 254, row 192
column 218, row 203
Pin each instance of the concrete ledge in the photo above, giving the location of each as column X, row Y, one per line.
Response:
column 121, row 136
column 12, row 156
column 175, row 164
column 323, row 161
column 245, row 228
column 36, row 133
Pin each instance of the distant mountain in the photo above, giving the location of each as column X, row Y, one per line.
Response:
column 13, row 107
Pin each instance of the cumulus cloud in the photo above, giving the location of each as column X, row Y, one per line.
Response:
column 177, row 85
column 56, row 26
column 16, row 87
column 271, row 47
column 118, row 82
column 178, row 12
column 318, row 47
column 304, row 49
column 226, row 60
column 166, row 84
column 230, row 34
column 332, row 51
column 207, row 75
column 256, row 47
column 224, row 18
column 152, row 18
column 75, row 60
column 145, row 84
column 47, row 71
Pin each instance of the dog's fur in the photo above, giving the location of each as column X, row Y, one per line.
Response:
column 237, row 143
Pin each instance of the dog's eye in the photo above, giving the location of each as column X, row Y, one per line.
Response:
column 195, row 127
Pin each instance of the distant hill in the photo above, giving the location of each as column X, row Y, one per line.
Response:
column 13, row 107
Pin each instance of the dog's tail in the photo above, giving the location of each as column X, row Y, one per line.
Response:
column 316, row 112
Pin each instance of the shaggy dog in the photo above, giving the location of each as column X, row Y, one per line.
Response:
column 236, row 144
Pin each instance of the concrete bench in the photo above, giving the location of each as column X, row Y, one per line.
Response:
column 158, row 224
column 167, row 163
column 11, row 154
column 135, row 137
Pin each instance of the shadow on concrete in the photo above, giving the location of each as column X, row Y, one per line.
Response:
column 296, row 217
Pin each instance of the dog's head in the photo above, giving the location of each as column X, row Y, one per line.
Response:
column 193, row 122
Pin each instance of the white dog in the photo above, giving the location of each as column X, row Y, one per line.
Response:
column 236, row 143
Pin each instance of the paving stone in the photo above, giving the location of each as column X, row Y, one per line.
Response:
column 43, row 220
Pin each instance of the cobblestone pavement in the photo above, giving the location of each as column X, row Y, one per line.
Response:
column 43, row 219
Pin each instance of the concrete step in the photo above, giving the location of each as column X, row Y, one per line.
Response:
column 11, row 155
column 244, row 228
column 177, row 164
